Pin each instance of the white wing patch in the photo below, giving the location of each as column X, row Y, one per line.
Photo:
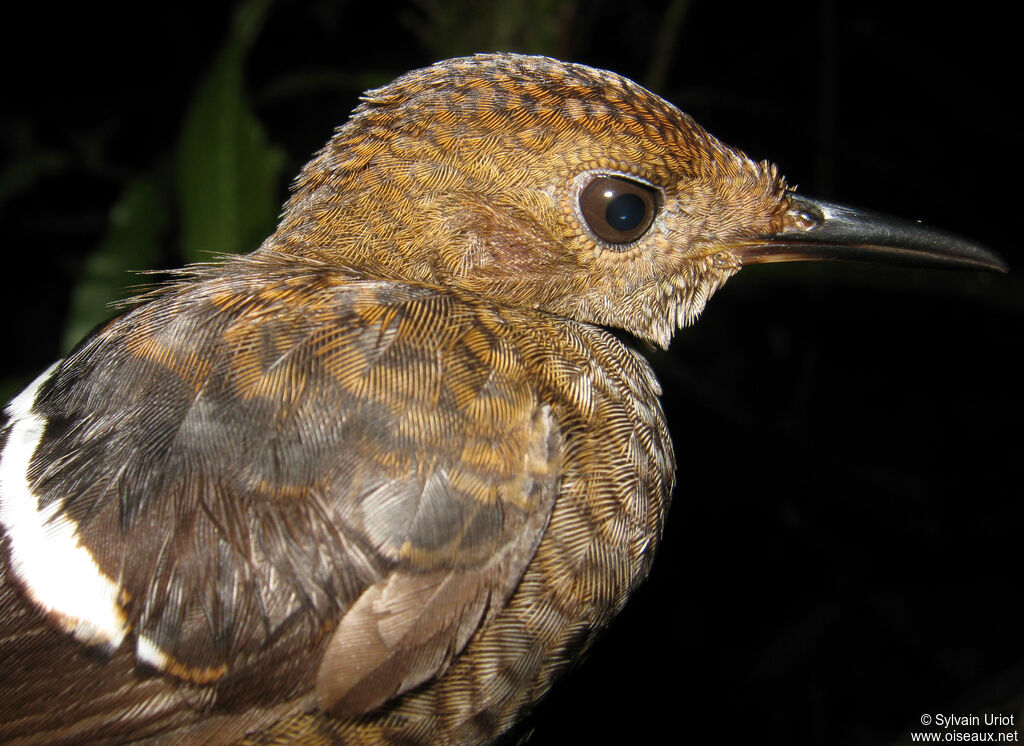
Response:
column 147, row 652
column 46, row 556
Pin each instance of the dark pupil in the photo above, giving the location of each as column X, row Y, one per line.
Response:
column 625, row 212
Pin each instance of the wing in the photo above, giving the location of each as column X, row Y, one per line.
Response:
column 271, row 486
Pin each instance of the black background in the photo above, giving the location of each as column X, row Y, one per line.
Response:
column 843, row 552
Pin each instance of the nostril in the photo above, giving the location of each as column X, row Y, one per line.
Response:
column 803, row 219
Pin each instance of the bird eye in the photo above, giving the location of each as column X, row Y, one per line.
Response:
column 618, row 210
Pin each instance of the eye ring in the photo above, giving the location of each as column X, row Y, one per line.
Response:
column 616, row 209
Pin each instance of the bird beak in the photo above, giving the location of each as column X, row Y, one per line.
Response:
column 817, row 230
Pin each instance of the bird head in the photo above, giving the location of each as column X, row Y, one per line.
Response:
column 565, row 189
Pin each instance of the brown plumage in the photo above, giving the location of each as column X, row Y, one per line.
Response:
column 385, row 478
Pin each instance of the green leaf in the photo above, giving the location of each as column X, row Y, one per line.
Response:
column 228, row 173
column 138, row 221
